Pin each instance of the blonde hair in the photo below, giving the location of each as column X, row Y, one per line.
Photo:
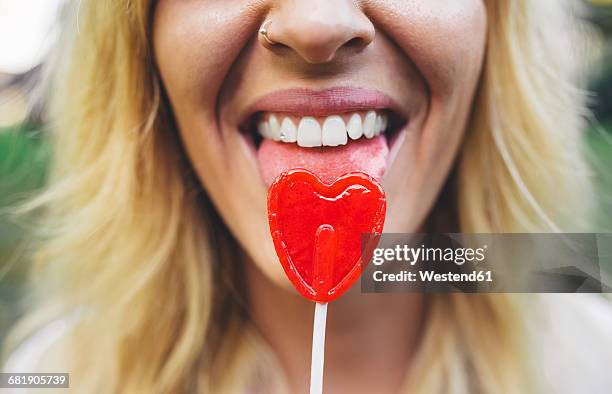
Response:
column 128, row 233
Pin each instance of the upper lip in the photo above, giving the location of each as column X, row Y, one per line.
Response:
column 320, row 103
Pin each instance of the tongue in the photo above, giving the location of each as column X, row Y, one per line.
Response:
column 328, row 163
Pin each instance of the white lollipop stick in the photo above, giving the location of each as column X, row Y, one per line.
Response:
column 325, row 241
column 318, row 348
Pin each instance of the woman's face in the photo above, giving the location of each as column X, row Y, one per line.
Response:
column 381, row 86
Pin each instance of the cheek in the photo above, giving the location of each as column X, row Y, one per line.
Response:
column 196, row 44
column 193, row 51
column 444, row 39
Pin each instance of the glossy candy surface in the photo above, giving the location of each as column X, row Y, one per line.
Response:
column 318, row 229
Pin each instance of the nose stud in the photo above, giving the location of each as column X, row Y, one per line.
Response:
column 264, row 31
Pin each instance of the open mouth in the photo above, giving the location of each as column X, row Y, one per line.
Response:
column 329, row 132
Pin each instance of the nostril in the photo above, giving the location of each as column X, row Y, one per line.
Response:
column 356, row 42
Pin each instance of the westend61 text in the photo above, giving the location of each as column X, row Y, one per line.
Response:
column 432, row 276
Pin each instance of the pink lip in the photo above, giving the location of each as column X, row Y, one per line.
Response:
column 308, row 102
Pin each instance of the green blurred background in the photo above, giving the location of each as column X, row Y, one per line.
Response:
column 24, row 156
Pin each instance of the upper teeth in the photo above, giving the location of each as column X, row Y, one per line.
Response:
column 333, row 130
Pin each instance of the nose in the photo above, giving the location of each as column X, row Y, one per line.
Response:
column 317, row 30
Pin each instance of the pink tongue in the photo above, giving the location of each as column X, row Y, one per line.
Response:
column 366, row 155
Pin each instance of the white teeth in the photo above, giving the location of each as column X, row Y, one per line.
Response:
column 334, row 131
column 378, row 125
column 264, row 129
column 274, row 128
column 381, row 124
column 309, row 132
column 355, row 127
column 288, row 131
column 369, row 124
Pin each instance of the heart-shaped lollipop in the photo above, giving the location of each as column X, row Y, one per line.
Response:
column 320, row 231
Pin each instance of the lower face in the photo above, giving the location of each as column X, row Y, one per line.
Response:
column 394, row 104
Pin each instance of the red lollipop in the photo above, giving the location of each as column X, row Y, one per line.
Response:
column 318, row 229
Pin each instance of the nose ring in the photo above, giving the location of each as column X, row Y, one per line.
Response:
column 264, row 31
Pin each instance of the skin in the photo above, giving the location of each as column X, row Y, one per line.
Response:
column 425, row 54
